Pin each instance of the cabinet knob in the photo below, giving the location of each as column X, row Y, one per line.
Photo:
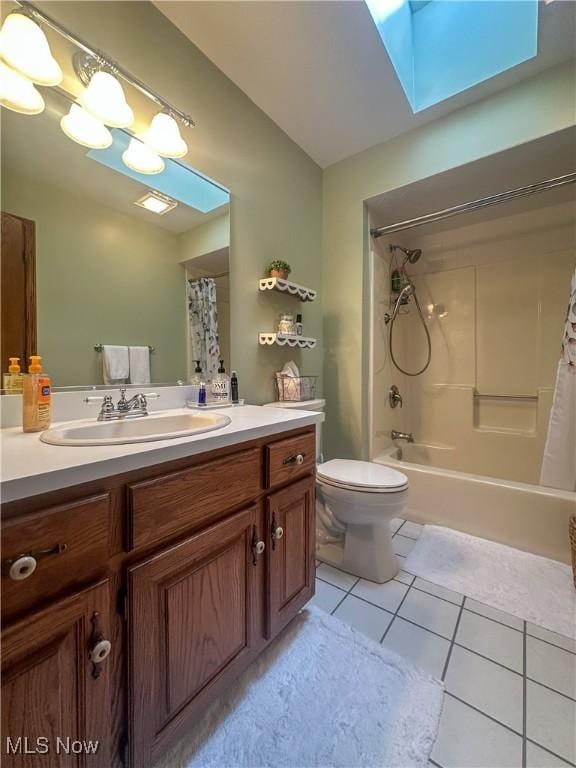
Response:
column 100, row 651
column 260, row 547
column 277, row 533
column 298, row 458
column 23, row 567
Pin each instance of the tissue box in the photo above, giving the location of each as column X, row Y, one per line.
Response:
column 296, row 388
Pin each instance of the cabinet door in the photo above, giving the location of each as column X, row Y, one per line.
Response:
column 192, row 629
column 55, row 692
column 291, row 535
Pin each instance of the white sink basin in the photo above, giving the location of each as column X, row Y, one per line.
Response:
column 139, row 430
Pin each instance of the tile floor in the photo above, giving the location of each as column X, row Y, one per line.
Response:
column 510, row 685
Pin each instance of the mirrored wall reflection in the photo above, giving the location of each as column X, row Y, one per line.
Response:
column 95, row 254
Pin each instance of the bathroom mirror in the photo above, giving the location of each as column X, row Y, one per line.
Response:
column 87, row 262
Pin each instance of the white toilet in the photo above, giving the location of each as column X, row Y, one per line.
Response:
column 355, row 501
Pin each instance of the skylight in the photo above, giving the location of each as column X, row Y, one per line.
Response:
column 442, row 47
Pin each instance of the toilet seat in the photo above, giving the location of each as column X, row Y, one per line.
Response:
column 361, row 476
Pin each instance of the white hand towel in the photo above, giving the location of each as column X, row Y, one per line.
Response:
column 115, row 364
column 139, row 365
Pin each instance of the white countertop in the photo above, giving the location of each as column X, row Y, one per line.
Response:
column 31, row 467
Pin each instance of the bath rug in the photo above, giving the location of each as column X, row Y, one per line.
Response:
column 322, row 695
column 527, row 586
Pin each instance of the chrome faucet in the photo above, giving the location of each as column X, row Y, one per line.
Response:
column 125, row 409
column 408, row 436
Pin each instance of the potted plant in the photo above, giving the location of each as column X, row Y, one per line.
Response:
column 279, row 268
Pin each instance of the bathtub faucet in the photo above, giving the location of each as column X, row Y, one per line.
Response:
column 408, row 436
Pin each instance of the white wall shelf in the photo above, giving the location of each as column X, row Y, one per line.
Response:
column 284, row 339
column 285, row 286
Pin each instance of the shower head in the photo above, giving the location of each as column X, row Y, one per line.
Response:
column 412, row 256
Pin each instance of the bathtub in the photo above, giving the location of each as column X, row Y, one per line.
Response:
column 529, row 517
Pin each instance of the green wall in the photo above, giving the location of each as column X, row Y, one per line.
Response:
column 205, row 238
column 276, row 188
column 533, row 108
column 102, row 277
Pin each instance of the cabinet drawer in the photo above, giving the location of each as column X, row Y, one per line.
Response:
column 68, row 543
column 180, row 501
column 290, row 458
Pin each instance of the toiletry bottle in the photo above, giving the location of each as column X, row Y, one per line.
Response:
column 234, row 387
column 195, row 381
column 202, row 393
column 36, row 397
column 221, row 384
column 13, row 379
column 299, row 326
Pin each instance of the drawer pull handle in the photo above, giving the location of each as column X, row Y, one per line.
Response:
column 24, row 565
column 100, row 647
column 22, row 568
column 298, row 459
column 257, row 546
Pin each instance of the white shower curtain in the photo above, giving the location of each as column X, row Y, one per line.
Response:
column 559, row 462
column 203, row 316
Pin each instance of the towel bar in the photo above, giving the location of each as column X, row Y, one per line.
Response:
column 100, row 347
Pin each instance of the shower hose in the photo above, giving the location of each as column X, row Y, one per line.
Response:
column 429, row 355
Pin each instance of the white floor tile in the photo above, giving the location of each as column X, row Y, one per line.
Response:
column 436, row 589
column 422, row 648
column 335, row 577
column 327, row 597
column 536, row 757
column 551, row 666
column 404, row 577
column 550, row 720
column 395, row 523
column 487, row 686
column 467, row 739
column 365, row 617
column 402, row 545
column 388, row 595
column 430, row 612
column 494, row 613
column 412, row 530
column 496, row 641
column 551, row 637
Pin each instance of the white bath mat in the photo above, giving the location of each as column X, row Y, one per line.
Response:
column 528, row 586
column 321, row 695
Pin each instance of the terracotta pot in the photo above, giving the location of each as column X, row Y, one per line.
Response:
column 279, row 273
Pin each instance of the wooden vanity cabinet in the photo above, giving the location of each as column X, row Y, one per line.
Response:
column 56, row 684
column 188, row 586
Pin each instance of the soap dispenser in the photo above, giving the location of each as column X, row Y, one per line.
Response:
column 13, row 379
column 221, row 384
column 36, row 397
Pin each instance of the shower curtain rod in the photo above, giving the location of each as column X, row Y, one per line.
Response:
column 474, row 205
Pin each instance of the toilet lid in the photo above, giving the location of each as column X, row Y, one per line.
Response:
column 363, row 475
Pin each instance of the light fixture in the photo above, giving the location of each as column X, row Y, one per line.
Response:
column 164, row 137
column 23, row 45
column 84, row 129
column 156, row 202
column 18, row 93
column 105, row 100
column 139, row 157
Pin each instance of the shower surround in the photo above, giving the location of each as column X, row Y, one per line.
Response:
column 493, row 290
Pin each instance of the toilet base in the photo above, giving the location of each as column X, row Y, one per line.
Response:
column 366, row 552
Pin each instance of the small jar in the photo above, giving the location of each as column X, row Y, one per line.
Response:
column 287, row 324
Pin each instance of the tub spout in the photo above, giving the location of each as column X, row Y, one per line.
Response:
column 408, row 436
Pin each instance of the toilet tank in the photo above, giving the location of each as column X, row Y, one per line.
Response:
column 305, row 405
